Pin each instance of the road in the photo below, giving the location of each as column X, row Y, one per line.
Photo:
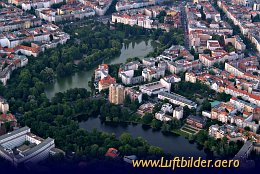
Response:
column 184, row 24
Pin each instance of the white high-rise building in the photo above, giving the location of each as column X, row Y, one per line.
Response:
column 178, row 113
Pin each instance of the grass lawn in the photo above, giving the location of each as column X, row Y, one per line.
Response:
column 189, row 130
column 179, row 132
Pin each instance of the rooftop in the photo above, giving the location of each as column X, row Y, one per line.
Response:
column 14, row 133
column 178, row 97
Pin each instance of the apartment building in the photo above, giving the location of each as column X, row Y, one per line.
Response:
column 190, row 77
column 218, row 56
column 9, row 63
column 127, row 73
column 134, row 94
column 183, row 65
column 68, row 12
column 130, row 4
column 196, row 121
column 116, row 94
column 100, row 7
column 151, row 73
column 244, row 68
column 101, row 72
column 106, row 82
column 13, row 18
column 195, row 24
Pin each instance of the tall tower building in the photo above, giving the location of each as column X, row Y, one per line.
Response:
column 178, row 113
column 116, row 94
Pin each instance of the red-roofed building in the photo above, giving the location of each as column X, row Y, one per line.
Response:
column 7, row 118
column 112, row 152
column 106, row 82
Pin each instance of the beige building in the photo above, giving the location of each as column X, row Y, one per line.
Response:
column 4, row 106
column 190, row 77
column 116, row 94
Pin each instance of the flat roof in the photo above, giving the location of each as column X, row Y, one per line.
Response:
column 9, row 134
column 23, row 148
column 39, row 146
column 177, row 97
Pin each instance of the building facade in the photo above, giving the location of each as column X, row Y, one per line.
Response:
column 116, row 94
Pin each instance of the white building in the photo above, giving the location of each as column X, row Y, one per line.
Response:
column 14, row 149
column 127, row 5
column 153, row 73
column 177, row 99
column 178, row 113
column 167, row 107
column 101, row 72
column 162, row 116
column 155, row 87
column 190, row 77
column 4, row 106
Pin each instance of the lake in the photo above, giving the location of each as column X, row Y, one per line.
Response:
column 173, row 144
column 139, row 48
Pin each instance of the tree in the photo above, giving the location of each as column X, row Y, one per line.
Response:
column 207, row 51
column 2, row 89
column 126, row 149
column 147, row 118
column 175, row 124
column 201, row 136
column 157, row 107
column 161, row 16
column 219, row 65
column 212, row 72
column 61, row 70
column 221, row 40
column 166, row 127
column 229, row 47
column 155, row 151
column 58, row 5
column 256, row 18
column 224, row 97
column 203, row 16
column 247, row 128
column 156, row 124
column 47, row 75
column 127, row 100
column 192, row 51
column 145, row 97
column 206, row 106
column 125, row 138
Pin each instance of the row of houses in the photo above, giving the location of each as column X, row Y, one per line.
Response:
column 13, row 18
column 9, row 63
column 130, row 4
column 241, row 15
column 100, row 7
column 24, row 35
column 147, row 17
column 28, row 5
column 67, row 12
